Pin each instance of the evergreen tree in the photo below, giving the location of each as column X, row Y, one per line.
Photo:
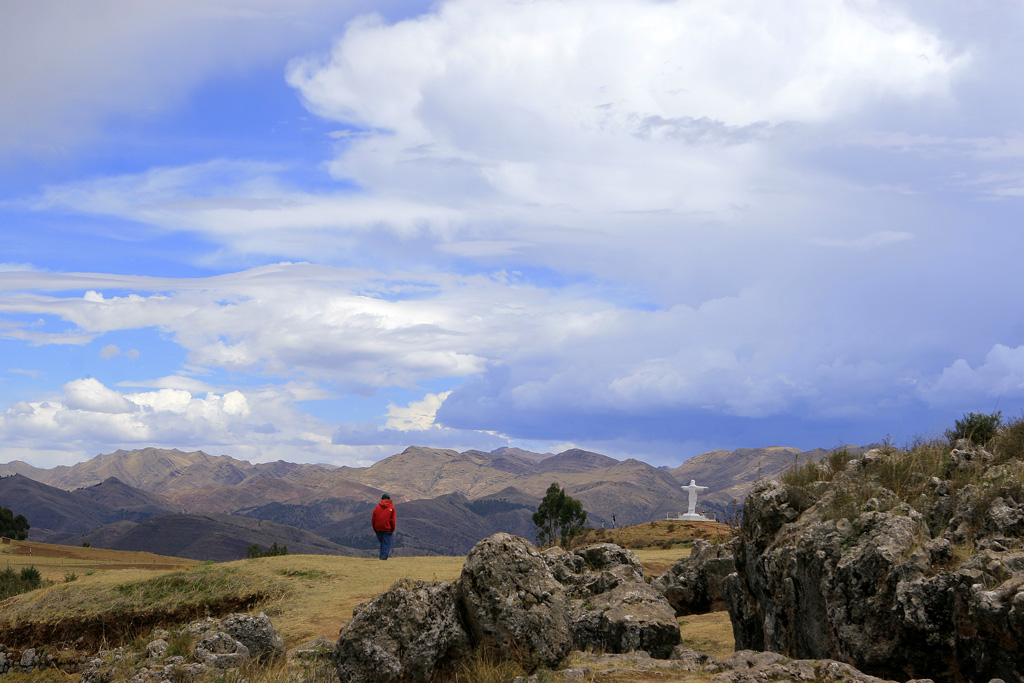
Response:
column 559, row 515
column 13, row 527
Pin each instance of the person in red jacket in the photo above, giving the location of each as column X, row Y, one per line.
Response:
column 384, row 524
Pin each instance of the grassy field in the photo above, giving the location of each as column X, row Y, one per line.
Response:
column 118, row 596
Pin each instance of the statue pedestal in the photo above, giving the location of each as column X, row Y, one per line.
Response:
column 689, row 517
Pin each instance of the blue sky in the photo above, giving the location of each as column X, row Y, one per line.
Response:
column 321, row 231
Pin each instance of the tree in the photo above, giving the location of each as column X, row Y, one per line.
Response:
column 558, row 515
column 254, row 550
column 13, row 527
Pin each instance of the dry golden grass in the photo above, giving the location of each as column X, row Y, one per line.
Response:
column 660, row 533
column 54, row 562
column 708, row 633
column 657, row 561
column 322, row 590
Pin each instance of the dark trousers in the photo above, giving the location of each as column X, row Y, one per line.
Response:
column 385, row 543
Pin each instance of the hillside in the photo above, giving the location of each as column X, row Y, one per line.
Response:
column 207, row 537
column 52, row 511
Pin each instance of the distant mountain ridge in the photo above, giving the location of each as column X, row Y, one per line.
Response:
column 160, row 470
column 446, row 500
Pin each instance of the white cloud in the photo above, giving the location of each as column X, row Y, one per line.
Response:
column 110, row 351
column 999, row 378
column 558, row 133
column 418, row 415
column 90, row 395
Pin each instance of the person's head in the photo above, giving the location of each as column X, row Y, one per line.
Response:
column 385, row 497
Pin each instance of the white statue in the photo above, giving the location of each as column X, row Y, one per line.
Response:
column 691, row 492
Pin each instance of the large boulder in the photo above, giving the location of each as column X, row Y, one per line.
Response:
column 901, row 586
column 693, row 585
column 630, row 617
column 406, row 634
column 510, row 602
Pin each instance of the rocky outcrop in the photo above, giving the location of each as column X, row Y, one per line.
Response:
column 928, row 582
column 693, row 585
column 514, row 601
column 407, row 633
column 220, row 645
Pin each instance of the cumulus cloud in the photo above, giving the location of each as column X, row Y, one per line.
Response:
column 554, row 132
column 260, row 423
column 418, row 415
column 1000, row 377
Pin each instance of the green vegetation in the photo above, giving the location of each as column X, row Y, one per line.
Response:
column 12, row 526
column 559, row 515
column 273, row 551
column 977, row 428
column 13, row 583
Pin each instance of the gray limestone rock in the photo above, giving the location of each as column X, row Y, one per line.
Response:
column 693, row 585
column 935, row 590
column 255, row 632
column 593, row 569
column 220, row 650
column 628, row 618
column 406, row 634
column 510, row 601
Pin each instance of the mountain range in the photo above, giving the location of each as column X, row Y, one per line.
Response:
column 192, row 504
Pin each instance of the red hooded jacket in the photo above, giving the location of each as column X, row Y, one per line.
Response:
column 384, row 516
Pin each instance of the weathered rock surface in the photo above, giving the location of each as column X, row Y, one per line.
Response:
column 406, row 634
column 510, row 601
column 931, row 590
column 630, row 617
column 693, row 585
column 747, row 666
column 257, row 633
column 593, row 569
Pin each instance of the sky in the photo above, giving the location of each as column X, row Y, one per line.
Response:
column 323, row 231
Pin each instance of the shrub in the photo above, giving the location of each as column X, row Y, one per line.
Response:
column 31, row 576
column 978, row 428
column 1009, row 441
column 12, row 583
